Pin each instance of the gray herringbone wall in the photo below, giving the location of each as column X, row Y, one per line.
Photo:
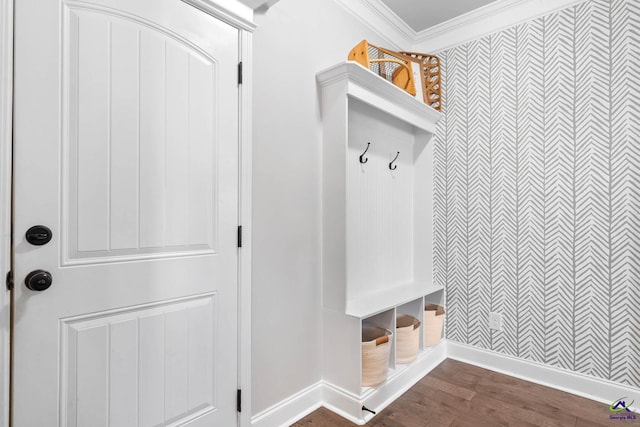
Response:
column 537, row 190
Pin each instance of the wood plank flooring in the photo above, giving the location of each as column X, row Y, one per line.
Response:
column 460, row 395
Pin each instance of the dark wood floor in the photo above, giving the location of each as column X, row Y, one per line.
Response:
column 457, row 394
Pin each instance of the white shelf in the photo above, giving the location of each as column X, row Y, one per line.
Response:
column 376, row 229
column 362, row 84
column 369, row 305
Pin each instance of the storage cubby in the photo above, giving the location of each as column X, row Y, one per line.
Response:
column 437, row 298
column 413, row 308
column 377, row 229
column 384, row 320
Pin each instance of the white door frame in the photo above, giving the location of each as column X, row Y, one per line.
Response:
column 229, row 11
column 245, row 211
column 6, row 131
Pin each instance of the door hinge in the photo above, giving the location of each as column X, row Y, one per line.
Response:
column 239, row 236
column 239, row 401
column 240, row 72
column 9, row 280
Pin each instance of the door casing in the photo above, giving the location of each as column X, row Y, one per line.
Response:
column 233, row 13
column 6, row 119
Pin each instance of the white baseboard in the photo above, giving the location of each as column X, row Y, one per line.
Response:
column 291, row 409
column 341, row 402
column 349, row 405
column 400, row 380
column 346, row 404
column 592, row 388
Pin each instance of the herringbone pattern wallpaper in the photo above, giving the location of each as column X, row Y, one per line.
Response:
column 537, row 190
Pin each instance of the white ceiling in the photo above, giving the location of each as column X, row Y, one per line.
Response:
column 423, row 14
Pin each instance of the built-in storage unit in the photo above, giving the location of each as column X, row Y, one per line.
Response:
column 377, row 230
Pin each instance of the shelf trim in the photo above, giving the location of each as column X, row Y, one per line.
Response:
column 385, row 300
column 361, row 84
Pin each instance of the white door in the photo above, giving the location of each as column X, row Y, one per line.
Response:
column 126, row 136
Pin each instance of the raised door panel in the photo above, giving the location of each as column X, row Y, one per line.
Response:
column 149, row 365
column 142, row 140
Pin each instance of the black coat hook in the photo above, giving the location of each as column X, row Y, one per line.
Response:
column 391, row 165
column 362, row 159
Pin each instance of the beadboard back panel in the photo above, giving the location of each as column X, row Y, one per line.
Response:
column 536, row 196
column 380, row 214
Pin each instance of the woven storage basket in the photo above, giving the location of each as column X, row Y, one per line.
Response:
column 429, row 81
column 432, row 324
column 407, row 338
column 388, row 64
column 376, row 346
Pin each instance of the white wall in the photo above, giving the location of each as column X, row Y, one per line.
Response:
column 294, row 40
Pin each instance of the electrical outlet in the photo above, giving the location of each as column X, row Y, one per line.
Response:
column 495, row 321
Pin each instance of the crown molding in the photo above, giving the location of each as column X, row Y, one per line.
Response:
column 494, row 17
column 390, row 19
column 377, row 16
column 489, row 19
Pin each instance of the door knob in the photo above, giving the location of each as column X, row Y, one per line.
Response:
column 38, row 235
column 38, row 280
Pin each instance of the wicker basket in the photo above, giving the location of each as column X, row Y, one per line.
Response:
column 388, row 64
column 407, row 338
column 432, row 324
column 431, row 85
column 376, row 346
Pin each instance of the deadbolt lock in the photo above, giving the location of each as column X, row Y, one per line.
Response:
column 38, row 235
